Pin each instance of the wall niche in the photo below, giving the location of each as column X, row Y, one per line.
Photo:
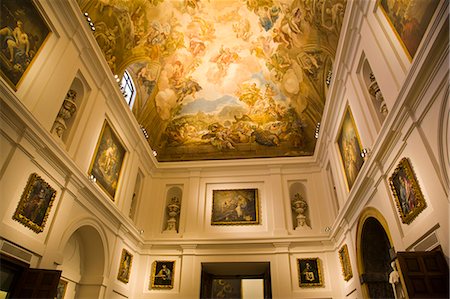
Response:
column 301, row 220
column 171, row 223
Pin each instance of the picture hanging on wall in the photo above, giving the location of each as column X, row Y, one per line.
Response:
column 406, row 191
column 126, row 261
column 35, row 204
column 23, row 33
column 61, row 289
column 162, row 275
column 350, row 146
column 409, row 20
column 235, row 207
column 345, row 263
column 310, row 272
column 107, row 161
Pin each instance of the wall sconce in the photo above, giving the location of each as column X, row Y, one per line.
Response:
column 155, row 153
column 92, row 178
column 329, row 76
column 144, row 130
column 327, row 229
column 316, row 133
column 89, row 21
column 365, row 152
column 141, row 231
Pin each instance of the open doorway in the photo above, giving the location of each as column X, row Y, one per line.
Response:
column 241, row 280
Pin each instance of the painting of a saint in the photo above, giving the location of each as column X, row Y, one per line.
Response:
column 22, row 34
column 350, row 148
column 35, row 203
column 345, row 263
column 409, row 19
column 125, row 266
column 406, row 191
column 162, row 274
column 310, row 273
column 238, row 206
column 108, row 160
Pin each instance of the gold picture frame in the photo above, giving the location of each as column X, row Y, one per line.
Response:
column 126, row 261
column 409, row 22
column 61, row 289
column 406, row 191
column 349, row 144
column 310, row 272
column 345, row 263
column 108, row 160
column 162, row 275
column 235, row 207
column 23, row 34
column 35, row 203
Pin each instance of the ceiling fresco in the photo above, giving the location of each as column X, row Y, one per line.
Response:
column 223, row 79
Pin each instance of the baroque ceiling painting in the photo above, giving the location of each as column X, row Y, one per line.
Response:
column 223, row 79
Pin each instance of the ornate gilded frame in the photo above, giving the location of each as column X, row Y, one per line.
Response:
column 157, row 281
column 235, row 207
column 345, row 263
column 35, row 203
column 126, row 261
column 406, row 191
column 316, row 269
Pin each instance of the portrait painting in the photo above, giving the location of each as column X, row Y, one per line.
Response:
column 108, row 159
column 125, row 266
column 23, row 32
column 345, row 263
column 235, row 207
column 226, row 288
column 35, row 204
column 61, row 289
column 162, row 275
column 309, row 272
column 406, row 191
column 350, row 146
column 409, row 20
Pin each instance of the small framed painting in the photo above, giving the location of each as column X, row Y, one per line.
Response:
column 345, row 263
column 162, row 275
column 107, row 161
column 126, row 261
column 35, row 204
column 61, row 289
column 310, row 272
column 409, row 20
column 406, row 191
column 235, row 207
column 349, row 145
column 23, row 33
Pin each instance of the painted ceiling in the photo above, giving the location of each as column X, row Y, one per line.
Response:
column 223, row 79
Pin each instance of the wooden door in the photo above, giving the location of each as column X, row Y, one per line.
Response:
column 36, row 283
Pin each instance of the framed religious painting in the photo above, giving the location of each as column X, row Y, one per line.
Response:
column 235, row 207
column 406, row 191
column 107, row 162
column 310, row 272
column 23, row 32
column 61, row 289
column 345, row 263
column 162, row 275
column 35, row 203
column 126, row 261
column 349, row 144
column 226, row 288
column 409, row 20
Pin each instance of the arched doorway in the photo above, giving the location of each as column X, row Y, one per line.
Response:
column 84, row 264
column 373, row 251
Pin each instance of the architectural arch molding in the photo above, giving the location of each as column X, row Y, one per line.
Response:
column 444, row 141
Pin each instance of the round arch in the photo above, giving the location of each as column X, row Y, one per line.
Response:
column 373, row 229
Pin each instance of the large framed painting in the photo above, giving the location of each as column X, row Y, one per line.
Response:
column 409, row 20
column 23, row 33
column 406, row 191
column 35, row 204
column 61, row 289
column 350, row 147
column 345, row 263
column 310, row 272
column 107, row 161
column 126, row 261
column 226, row 288
column 162, row 275
column 235, row 207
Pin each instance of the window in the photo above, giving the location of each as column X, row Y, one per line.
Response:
column 128, row 89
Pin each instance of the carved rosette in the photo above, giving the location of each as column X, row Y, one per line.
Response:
column 299, row 205
column 67, row 110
